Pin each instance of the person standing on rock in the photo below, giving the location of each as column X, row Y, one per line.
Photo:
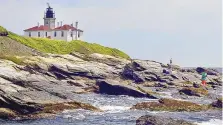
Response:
column 203, row 77
column 170, row 66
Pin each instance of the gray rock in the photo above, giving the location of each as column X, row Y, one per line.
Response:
column 141, row 65
column 59, row 78
column 208, row 70
column 218, row 103
column 112, row 87
column 108, row 60
column 160, row 120
column 196, row 85
column 141, row 71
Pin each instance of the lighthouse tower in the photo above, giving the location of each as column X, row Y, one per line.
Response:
column 49, row 17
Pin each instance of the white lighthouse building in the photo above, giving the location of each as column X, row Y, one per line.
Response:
column 52, row 31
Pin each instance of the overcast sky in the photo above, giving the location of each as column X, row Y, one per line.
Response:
column 189, row 31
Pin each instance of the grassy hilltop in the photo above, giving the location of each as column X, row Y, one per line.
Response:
column 2, row 29
column 51, row 46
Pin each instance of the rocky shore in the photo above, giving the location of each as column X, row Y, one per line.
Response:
column 42, row 86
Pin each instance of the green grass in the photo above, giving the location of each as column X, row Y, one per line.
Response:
column 2, row 30
column 14, row 59
column 61, row 47
column 187, row 82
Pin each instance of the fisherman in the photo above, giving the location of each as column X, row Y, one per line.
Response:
column 203, row 77
column 170, row 66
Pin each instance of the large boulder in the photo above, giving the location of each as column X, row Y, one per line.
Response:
column 160, row 120
column 33, row 102
column 165, row 104
column 141, row 71
column 112, row 87
column 208, row 70
column 140, row 65
column 93, row 70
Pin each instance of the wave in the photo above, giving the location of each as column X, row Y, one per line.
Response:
column 211, row 122
column 112, row 108
column 77, row 116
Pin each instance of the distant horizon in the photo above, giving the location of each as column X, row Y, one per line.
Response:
column 188, row 31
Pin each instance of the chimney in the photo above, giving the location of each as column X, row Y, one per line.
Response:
column 61, row 23
column 76, row 26
column 58, row 24
column 38, row 24
column 72, row 25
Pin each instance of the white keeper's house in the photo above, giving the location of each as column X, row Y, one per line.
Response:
column 50, row 30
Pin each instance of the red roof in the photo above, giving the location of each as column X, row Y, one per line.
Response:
column 67, row 27
column 64, row 27
column 37, row 28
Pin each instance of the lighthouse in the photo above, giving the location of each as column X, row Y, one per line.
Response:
column 65, row 32
column 49, row 17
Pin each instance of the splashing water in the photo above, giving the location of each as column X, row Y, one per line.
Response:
column 117, row 112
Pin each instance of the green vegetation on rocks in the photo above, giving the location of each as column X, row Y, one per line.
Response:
column 46, row 110
column 187, row 82
column 55, row 108
column 165, row 104
column 3, row 31
column 149, row 92
column 61, row 47
column 191, row 91
column 14, row 59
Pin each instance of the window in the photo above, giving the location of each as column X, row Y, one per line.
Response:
column 38, row 34
column 29, row 34
column 62, row 33
column 46, row 34
column 71, row 34
column 55, row 34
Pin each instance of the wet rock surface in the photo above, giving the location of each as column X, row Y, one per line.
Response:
column 165, row 104
column 159, row 120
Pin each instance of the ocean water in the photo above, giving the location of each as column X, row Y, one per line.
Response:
column 117, row 112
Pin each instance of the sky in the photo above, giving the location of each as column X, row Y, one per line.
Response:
column 188, row 31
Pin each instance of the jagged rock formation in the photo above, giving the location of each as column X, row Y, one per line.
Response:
column 40, row 81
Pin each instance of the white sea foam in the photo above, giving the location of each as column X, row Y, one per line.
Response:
column 211, row 122
column 76, row 116
column 112, row 108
